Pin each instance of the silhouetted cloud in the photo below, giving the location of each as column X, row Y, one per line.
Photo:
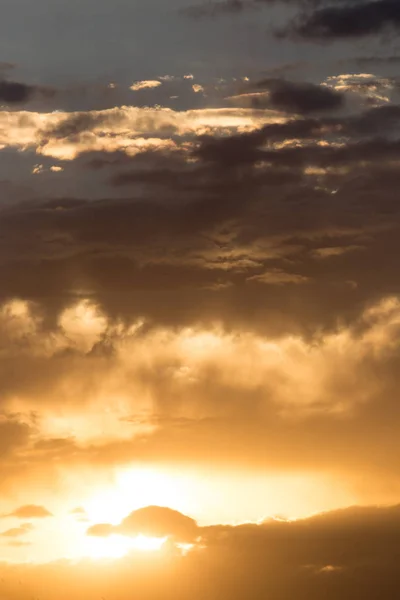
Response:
column 153, row 521
column 302, row 98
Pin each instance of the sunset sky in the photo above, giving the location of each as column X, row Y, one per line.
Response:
column 199, row 299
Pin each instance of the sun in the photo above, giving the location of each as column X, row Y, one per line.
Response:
column 133, row 489
column 118, row 546
column 148, row 544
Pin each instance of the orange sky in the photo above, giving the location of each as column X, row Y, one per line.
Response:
column 199, row 299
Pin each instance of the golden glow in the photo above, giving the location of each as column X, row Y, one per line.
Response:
column 148, row 544
column 117, row 546
column 24, row 129
column 83, row 324
column 136, row 488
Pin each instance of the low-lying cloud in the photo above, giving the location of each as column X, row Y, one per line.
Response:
column 346, row 553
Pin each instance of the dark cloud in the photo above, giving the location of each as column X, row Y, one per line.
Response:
column 12, row 92
column 81, row 122
column 250, row 148
column 159, row 521
column 235, row 150
column 302, row 98
column 202, row 229
column 375, row 60
column 352, row 20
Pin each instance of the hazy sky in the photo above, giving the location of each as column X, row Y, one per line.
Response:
column 199, row 296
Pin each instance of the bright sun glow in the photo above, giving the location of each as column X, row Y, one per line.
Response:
column 133, row 489
column 117, row 546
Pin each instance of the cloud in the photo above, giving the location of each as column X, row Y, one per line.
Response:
column 29, row 511
column 229, row 205
column 7, row 66
column 79, row 510
column 195, row 279
column 347, row 21
column 18, row 544
column 13, row 434
column 101, row 530
column 17, row 531
column 12, row 92
column 153, row 521
column 212, row 9
column 344, row 553
column 135, row 282
column 130, row 129
column 208, row 393
column 333, row 251
column 277, row 277
column 141, row 85
column 377, row 60
column 301, row 98
column 379, row 89
column 158, row 521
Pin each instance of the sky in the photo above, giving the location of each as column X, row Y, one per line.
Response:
column 199, row 299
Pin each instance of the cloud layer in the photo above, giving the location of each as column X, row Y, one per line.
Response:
column 344, row 553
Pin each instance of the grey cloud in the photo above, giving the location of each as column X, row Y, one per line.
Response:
column 347, row 21
column 204, row 228
column 13, row 93
column 298, row 97
column 214, row 8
